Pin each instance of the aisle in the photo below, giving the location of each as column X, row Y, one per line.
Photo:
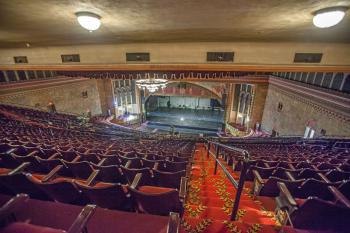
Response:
column 210, row 199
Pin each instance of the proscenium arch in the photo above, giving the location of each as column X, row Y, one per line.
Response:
column 197, row 85
column 214, row 95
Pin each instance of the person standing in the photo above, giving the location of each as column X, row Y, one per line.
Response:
column 88, row 113
column 168, row 104
column 172, row 129
column 51, row 107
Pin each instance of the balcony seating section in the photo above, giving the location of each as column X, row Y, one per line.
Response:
column 57, row 162
column 22, row 214
column 309, row 182
column 53, row 157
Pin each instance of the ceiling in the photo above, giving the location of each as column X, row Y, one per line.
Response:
column 52, row 22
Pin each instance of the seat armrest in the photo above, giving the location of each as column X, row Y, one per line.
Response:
column 76, row 159
column 10, row 151
column 127, row 165
column 54, row 156
column 324, row 178
column 173, row 223
column 92, row 178
column 286, row 195
column 339, row 196
column 81, row 221
column 290, row 176
column 33, row 153
column 101, row 162
column 258, row 177
column 188, row 170
column 156, row 165
column 291, row 166
column 9, row 207
column 52, row 174
column 19, row 169
column 258, row 183
column 183, row 189
column 136, row 181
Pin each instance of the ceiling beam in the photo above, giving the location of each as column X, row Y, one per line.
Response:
column 183, row 67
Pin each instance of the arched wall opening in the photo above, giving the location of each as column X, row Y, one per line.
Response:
column 186, row 107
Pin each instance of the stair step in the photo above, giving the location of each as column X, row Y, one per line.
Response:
column 223, row 226
column 206, row 212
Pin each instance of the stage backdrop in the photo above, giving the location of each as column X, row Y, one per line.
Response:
column 189, row 102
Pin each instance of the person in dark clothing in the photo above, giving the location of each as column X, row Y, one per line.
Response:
column 168, row 104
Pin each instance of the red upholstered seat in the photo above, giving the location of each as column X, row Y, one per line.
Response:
column 154, row 189
column 20, row 227
column 37, row 177
column 106, row 185
column 4, row 170
column 60, row 179
column 299, row 201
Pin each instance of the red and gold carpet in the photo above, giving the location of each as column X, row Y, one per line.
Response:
column 210, row 200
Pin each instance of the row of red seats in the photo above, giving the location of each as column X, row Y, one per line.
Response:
column 307, row 186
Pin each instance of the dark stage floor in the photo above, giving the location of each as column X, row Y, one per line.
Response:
column 186, row 120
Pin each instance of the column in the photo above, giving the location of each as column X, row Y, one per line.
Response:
column 16, row 75
column 229, row 103
column 6, row 77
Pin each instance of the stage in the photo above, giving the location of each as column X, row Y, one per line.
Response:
column 188, row 121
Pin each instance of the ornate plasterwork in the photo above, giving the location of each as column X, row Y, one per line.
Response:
column 319, row 106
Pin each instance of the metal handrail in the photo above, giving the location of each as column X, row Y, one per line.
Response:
column 238, row 185
column 232, row 148
column 227, row 173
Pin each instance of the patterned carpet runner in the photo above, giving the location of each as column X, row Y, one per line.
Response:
column 210, row 200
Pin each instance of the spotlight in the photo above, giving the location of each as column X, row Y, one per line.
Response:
column 329, row 17
column 88, row 20
column 182, row 119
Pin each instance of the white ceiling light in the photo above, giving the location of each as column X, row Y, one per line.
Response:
column 329, row 17
column 88, row 20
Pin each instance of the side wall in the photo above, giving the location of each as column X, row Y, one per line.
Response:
column 258, row 104
column 66, row 97
column 297, row 114
column 105, row 90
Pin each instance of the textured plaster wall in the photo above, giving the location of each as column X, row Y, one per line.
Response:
column 258, row 104
column 67, row 98
column 295, row 116
column 105, row 89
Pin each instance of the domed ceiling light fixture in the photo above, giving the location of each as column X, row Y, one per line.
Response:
column 329, row 17
column 88, row 20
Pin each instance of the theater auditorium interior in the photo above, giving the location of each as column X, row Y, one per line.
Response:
column 159, row 116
